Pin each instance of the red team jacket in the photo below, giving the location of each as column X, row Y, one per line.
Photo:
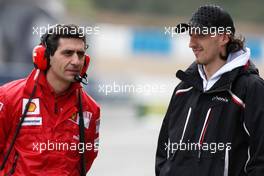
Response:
column 48, row 142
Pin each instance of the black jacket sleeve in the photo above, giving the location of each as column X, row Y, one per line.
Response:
column 162, row 150
column 254, row 126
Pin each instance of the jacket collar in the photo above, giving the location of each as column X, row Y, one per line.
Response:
column 192, row 77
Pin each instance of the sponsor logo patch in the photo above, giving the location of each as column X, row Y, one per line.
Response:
column 222, row 99
column 32, row 121
column 86, row 117
column 34, row 108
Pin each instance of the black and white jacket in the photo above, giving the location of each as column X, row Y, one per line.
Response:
column 214, row 127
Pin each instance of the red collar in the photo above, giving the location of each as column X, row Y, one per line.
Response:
column 43, row 85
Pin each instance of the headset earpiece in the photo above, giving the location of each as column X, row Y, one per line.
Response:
column 39, row 59
column 85, row 66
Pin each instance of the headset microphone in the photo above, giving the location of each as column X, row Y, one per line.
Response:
column 78, row 78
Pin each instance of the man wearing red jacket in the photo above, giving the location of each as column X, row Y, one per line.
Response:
column 48, row 124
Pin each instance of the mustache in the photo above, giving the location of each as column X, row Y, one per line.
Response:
column 196, row 47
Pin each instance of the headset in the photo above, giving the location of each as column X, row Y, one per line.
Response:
column 41, row 63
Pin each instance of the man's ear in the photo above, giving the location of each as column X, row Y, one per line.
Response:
column 224, row 39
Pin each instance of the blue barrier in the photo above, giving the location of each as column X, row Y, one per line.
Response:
column 256, row 48
column 150, row 41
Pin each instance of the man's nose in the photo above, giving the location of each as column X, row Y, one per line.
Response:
column 75, row 60
column 192, row 42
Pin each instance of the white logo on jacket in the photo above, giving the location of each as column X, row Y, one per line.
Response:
column 33, row 109
column 32, row 121
column 223, row 99
column 86, row 118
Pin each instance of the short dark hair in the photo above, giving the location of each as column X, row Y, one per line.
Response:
column 51, row 38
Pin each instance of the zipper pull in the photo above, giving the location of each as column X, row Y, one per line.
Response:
column 173, row 156
column 199, row 155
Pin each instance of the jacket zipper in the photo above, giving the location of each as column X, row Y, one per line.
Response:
column 226, row 163
column 184, row 129
column 204, row 129
column 186, row 123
